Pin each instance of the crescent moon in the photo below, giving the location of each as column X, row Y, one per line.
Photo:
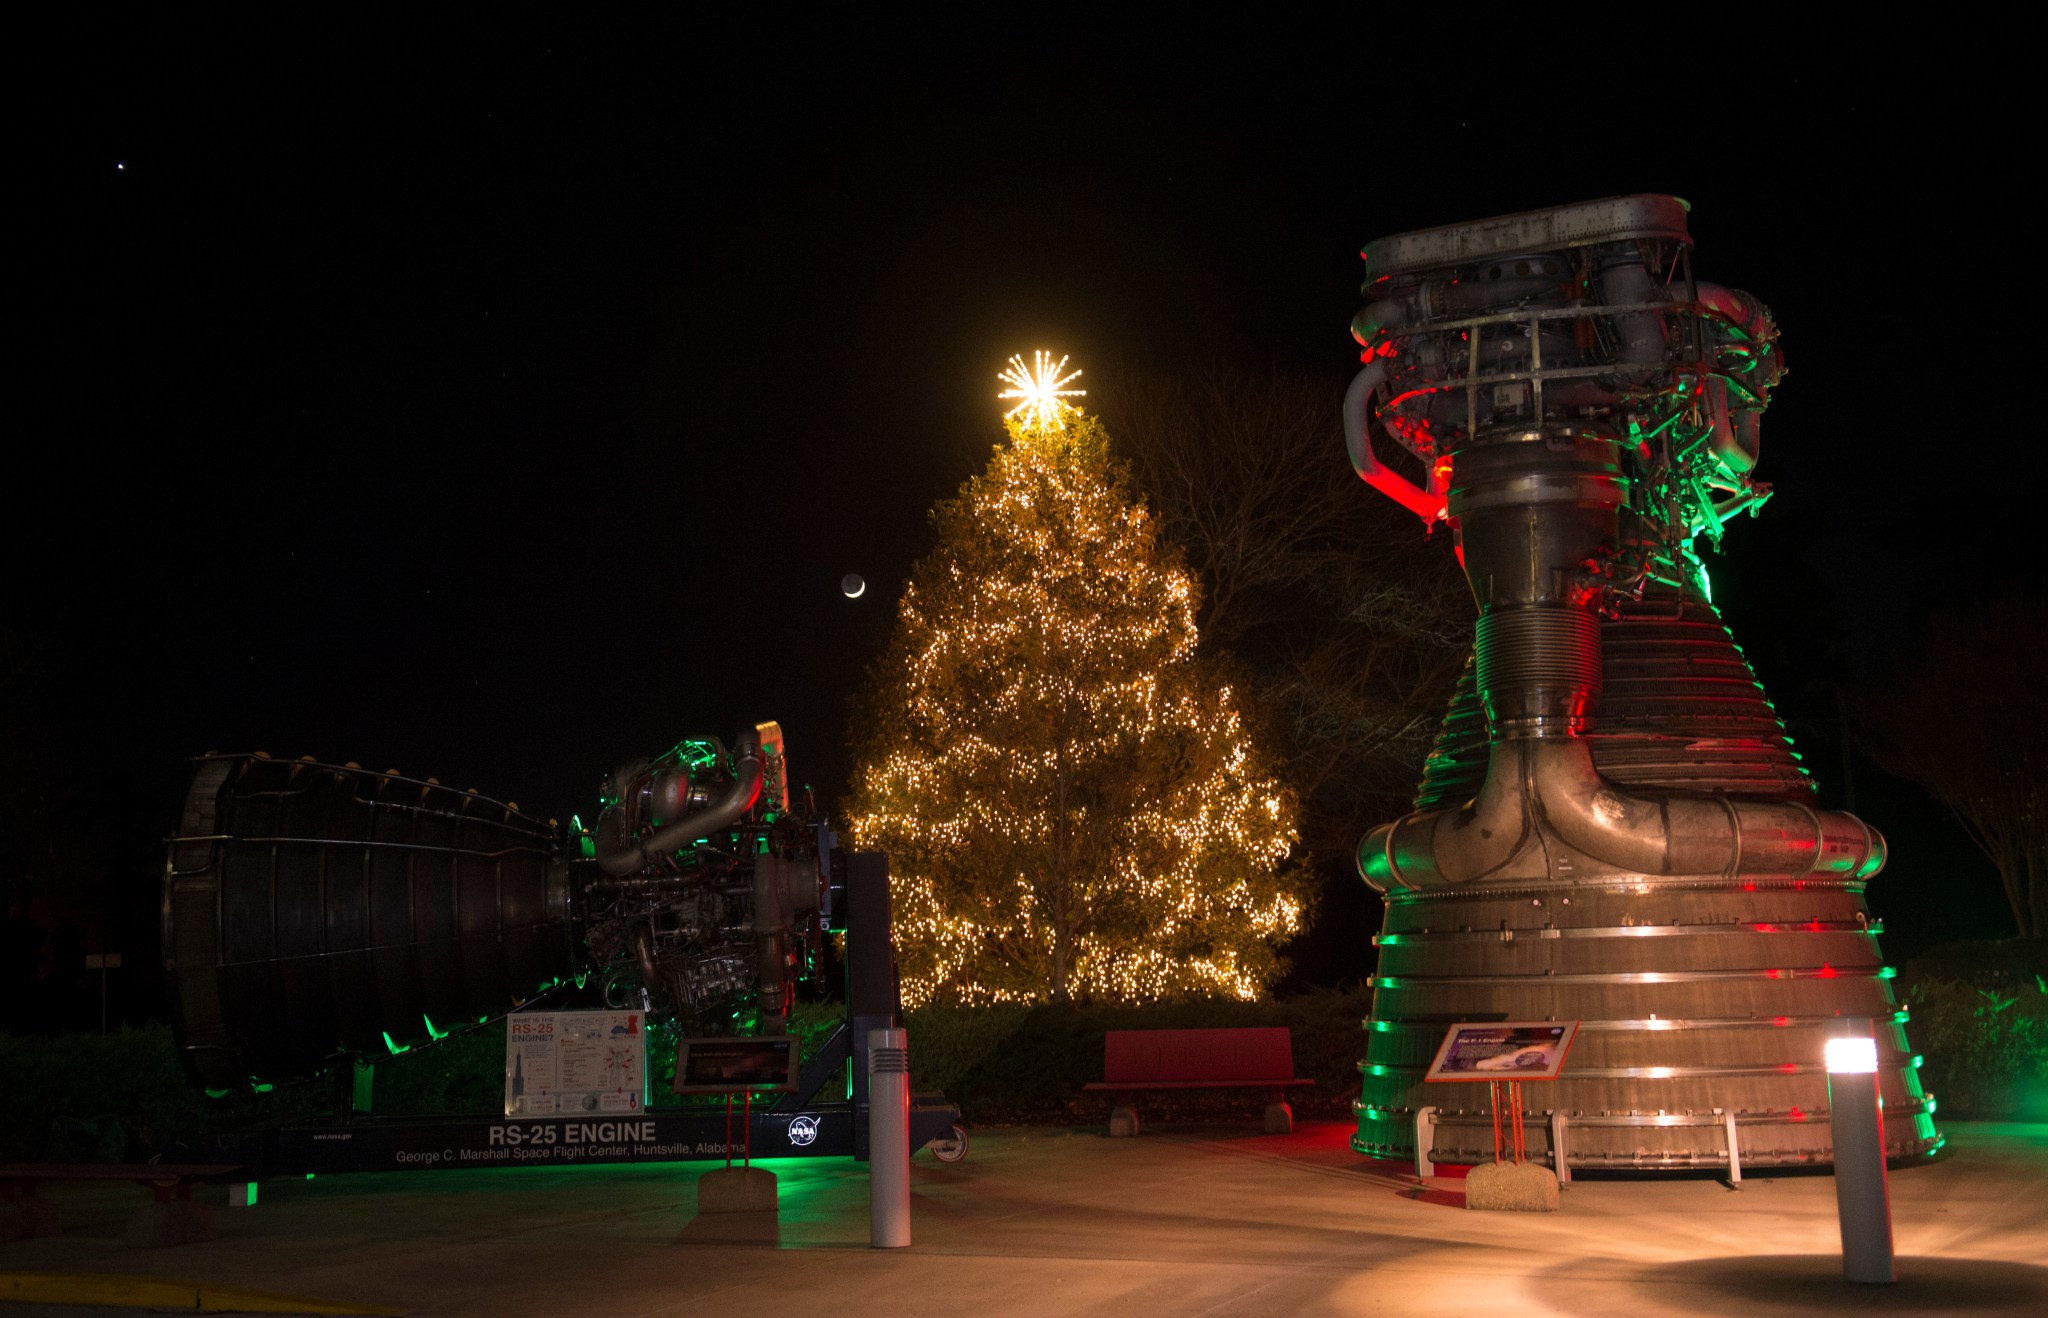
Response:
column 852, row 586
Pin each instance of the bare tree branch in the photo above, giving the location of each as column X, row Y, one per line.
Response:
column 1966, row 718
column 1353, row 621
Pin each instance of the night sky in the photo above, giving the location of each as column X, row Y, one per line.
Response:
column 498, row 405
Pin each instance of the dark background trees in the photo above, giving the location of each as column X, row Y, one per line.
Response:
column 1965, row 716
column 1352, row 620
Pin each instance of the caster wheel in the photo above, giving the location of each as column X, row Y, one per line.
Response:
column 953, row 1148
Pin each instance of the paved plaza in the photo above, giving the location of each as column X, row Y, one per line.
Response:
column 1184, row 1221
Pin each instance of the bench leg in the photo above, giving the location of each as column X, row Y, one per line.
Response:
column 1123, row 1120
column 171, row 1218
column 1279, row 1116
column 1425, row 1142
column 1560, row 1147
column 24, row 1217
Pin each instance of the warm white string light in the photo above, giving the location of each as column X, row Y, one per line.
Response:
column 1060, row 780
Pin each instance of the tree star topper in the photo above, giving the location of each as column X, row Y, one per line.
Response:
column 1038, row 386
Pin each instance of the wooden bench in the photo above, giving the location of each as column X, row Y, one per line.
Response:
column 1252, row 1058
column 170, row 1218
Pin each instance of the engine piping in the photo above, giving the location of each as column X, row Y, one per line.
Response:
column 1358, row 400
column 618, row 856
column 1543, row 799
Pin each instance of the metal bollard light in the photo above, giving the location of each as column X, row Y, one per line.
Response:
column 1862, row 1193
column 889, row 1138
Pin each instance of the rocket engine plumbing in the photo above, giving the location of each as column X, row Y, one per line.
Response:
column 1612, row 826
column 709, row 891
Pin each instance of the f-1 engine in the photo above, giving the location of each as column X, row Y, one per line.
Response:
column 1612, row 828
column 314, row 913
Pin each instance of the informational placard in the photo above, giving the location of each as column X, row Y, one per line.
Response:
column 445, row 1143
column 575, row 1063
column 1503, row 1050
column 736, row 1066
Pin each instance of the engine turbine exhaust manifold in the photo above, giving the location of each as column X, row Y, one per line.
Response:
column 1543, row 798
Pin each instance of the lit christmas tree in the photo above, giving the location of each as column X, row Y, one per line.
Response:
column 1070, row 800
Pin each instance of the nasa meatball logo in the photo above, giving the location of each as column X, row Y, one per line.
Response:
column 802, row 1130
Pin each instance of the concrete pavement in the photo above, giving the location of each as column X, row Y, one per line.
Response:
column 1182, row 1221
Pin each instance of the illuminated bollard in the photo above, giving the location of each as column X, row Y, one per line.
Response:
column 888, row 1138
column 1862, row 1194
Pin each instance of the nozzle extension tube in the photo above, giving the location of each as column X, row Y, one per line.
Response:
column 1537, row 791
column 642, row 942
column 1426, row 504
column 619, row 856
column 1745, row 311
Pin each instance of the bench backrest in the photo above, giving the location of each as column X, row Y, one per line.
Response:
column 1254, row 1053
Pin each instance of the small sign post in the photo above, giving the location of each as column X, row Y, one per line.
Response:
column 573, row 1063
column 1502, row 1054
column 731, row 1065
column 103, row 962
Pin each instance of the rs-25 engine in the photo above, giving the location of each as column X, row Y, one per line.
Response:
column 317, row 912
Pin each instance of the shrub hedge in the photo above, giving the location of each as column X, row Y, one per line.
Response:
column 1000, row 1064
column 1986, row 1048
column 132, row 1077
column 1981, row 1020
